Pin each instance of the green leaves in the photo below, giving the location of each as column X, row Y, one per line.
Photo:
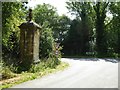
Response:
column 12, row 17
column 78, row 35
column 44, row 13
column 46, row 40
column 113, row 28
column 96, row 19
column 54, row 28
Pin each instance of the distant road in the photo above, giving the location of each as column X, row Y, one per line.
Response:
column 82, row 73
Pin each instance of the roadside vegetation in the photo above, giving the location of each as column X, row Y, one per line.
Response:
column 94, row 32
column 12, row 72
column 10, row 78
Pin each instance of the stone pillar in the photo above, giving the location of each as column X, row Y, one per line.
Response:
column 29, row 42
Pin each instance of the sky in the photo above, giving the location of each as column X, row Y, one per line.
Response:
column 60, row 5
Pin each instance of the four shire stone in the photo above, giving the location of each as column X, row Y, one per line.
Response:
column 29, row 41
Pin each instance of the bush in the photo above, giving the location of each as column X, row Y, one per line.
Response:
column 46, row 41
column 7, row 72
column 48, row 46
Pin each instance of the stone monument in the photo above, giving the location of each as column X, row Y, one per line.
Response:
column 29, row 41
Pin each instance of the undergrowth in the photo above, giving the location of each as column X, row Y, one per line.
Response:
column 37, row 70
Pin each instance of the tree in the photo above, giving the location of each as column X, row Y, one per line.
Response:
column 61, row 28
column 71, row 44
column 101, row 10
column 13, row 14
column 45, row 12
column 113, row 29
column 58, row 24
column 47, row 16
column 82, row 11
column 46, row 41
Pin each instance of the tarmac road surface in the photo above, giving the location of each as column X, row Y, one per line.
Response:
column 82, row 73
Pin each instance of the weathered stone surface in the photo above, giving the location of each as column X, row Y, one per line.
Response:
column 36, row 46
column 29, row 41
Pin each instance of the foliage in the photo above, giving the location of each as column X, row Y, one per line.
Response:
column 37, row 71
column 47, row 16
column 48, row 47
column 13, row 18
column 13, row 14
column 61, row 28
column 114, row 30
column 58, row 24
column 44, row 13
column 46, row 41
column 92, row 31
column 100, row 12
column 71, row 43
column 77, row 42
column 94, row 18
column 7, row 72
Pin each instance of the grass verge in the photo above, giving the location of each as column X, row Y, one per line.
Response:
column 25, row 76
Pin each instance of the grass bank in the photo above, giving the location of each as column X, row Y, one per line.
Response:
column 36, row 71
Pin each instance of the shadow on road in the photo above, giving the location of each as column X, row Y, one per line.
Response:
column 97, row 59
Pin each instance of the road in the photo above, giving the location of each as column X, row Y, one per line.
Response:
column 82, row 73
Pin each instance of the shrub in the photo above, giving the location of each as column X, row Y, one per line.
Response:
column 48, row 46
column 46, row 41
column 7, row 72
